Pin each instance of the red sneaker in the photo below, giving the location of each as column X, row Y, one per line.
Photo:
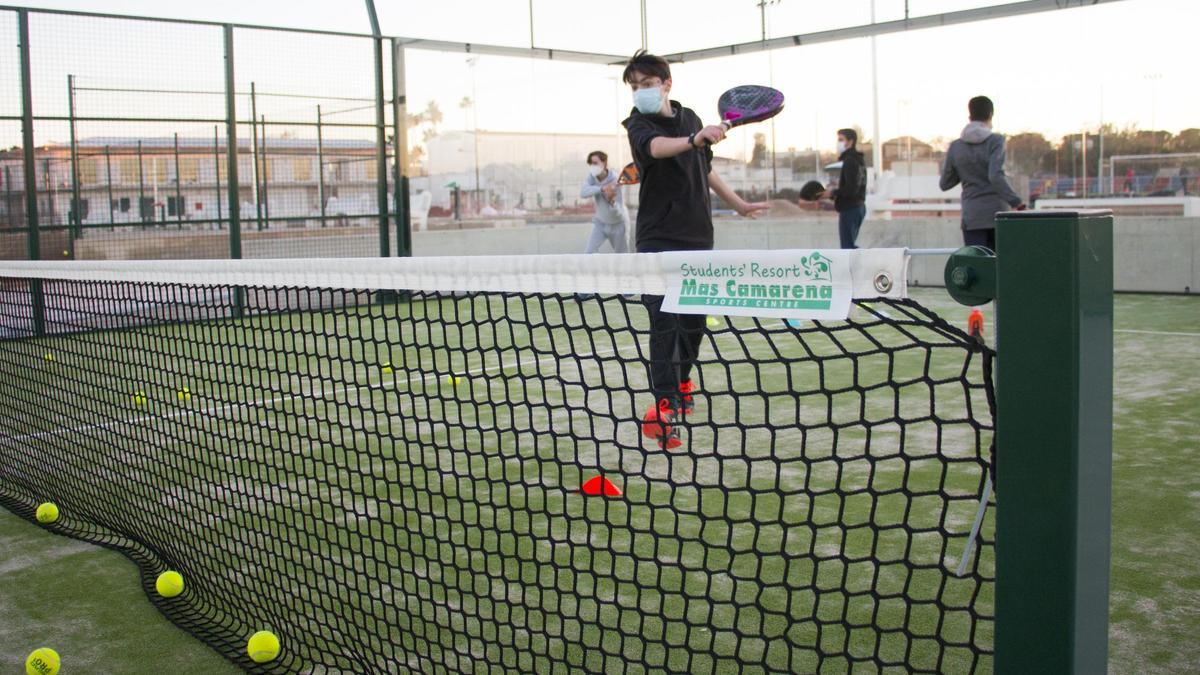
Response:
column 686, row 389
column 659, row 424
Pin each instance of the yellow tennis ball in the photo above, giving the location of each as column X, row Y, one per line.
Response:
column 387, row 367
column 42, row 661
column 184, row 394
column 47, row 513
column 713, row 321
column 263, row 646
column 49, row 357
column 453, row 379
column 139, row 398
column 169, row 584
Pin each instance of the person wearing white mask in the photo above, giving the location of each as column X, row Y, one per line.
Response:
column 850, row 195
column 673, row 152
column 611, row 216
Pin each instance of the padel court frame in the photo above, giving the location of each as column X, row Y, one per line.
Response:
column 1052, row 281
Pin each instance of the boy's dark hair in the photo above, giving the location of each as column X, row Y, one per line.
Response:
column 851, row 135
column 597, row 153
column 981, row 109
column 648, row 64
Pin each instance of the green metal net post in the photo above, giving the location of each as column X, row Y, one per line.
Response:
column 1053, row 285
column 1054, row 397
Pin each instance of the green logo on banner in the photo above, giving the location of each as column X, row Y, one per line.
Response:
column 817, row 267
column 808, row 285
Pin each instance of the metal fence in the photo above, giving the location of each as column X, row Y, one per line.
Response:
column 147, row 138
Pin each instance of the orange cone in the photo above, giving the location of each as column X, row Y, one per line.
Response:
column 599, row 486
column 975, row 323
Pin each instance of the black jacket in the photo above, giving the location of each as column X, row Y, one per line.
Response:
column 852, row 186
column 675, row 210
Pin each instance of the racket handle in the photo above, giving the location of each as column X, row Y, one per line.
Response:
column 726, row 125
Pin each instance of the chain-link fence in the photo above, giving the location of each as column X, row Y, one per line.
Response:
column 128, row 127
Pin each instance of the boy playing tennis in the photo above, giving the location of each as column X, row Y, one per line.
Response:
column 673, row 151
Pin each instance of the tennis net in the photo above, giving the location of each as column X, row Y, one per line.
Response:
column 434, row 465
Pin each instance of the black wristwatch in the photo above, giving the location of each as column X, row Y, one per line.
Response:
column 692, row 140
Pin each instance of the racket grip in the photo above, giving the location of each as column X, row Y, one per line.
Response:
column 726, row 125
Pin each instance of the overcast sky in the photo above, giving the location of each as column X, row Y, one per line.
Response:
column 1128, row 63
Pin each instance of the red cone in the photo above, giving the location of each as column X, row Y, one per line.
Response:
column 599, row 486
column 975, row 323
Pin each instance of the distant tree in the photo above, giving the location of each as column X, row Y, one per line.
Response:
column 433, row 114
column 759, row 157
column 1187, row 140
column 1027, row 153
column 429, row 118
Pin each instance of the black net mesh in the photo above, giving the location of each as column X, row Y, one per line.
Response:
column 400, row 482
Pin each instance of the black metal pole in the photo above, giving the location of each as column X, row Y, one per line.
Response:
column 37, row 302
column 77, row 202
column 8, row 210
column 217, row 171
column 231, row 153
column 400, row 152
column 112, row 207
column 254, row 151
column 381, row 168
column 320, row 167
column 141, row 184
column 266, row 178
column 178, row 189
column 49, row 191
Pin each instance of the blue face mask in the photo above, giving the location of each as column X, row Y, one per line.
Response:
column 648, row 101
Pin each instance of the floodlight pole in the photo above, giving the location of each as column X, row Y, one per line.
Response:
column 876, row 142
column 643, row 17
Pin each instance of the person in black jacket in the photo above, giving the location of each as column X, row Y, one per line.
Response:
column 673, row 152
column 850, row 195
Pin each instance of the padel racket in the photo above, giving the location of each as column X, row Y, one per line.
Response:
column 629, row 175
column 748, row 103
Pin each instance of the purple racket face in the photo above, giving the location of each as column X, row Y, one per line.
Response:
column 749, row 103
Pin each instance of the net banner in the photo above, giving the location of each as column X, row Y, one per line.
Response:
column 870, row 273
column 782, row 284
column 792, row 284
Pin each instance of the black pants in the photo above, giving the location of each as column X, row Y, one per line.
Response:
column 850, row 220
column 674, row 347
column 980, row 238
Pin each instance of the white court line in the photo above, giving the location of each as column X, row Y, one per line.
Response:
column 277, row 399
column 1154, row 332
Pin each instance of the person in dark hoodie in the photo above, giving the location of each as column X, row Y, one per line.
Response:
column 673, row 152
column 976, row 160
column 850, row 195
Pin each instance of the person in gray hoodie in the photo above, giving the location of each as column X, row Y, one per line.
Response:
column 611, row 217
column 976, row 160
